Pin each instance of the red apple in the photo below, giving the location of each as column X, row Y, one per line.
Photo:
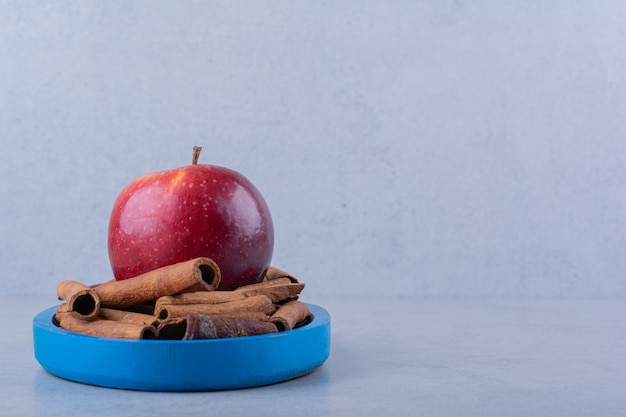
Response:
column 198, row 210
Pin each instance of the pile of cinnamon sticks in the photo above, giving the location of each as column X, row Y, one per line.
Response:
column 181, row 302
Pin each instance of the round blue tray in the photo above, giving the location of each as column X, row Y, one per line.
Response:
column 182, row 365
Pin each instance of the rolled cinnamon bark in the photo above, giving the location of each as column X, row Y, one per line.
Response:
column 81, row 300
column 256, row 303
column 128, row 317
column 273, row 273
column 200, row 326
column 198, row 297
column 237, row 327
column 173, row 329
column 193, row 275
column 278, row 290
column 249, row 315
column 289, row 315
column 102, row 327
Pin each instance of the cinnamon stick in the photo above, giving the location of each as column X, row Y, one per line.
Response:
column 128, row 317
column 255, row 303
column 102, row 327
column 289, row 315
column 236, row 327
column 193, row 275
column 198, row 297
column 278, row 289
column 81, row 300
column 200, row 326
column 249, row 315
column 273, row 273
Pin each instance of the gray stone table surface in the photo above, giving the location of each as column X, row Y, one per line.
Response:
column 389, row 356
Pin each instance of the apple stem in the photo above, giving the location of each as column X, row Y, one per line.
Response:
column 196, row 154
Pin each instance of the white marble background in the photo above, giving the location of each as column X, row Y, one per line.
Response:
column 405, row 148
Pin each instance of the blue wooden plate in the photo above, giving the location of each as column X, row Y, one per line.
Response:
column 182, row 365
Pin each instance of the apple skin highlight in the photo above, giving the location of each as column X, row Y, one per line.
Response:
column 198, row 210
